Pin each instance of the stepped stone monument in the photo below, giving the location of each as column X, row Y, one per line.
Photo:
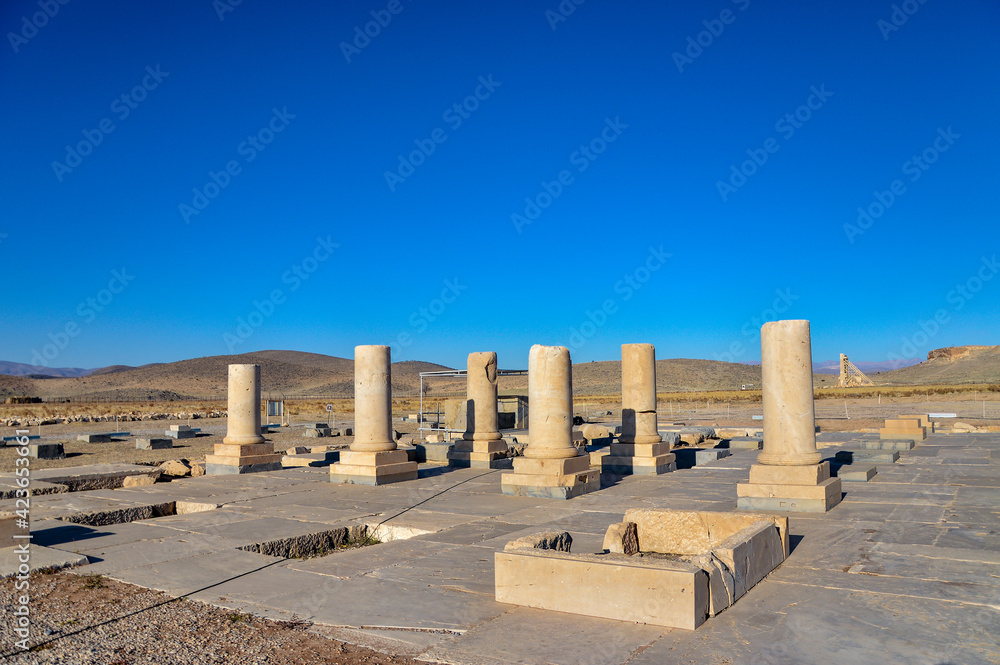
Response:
column 373, row 458
column 640, row 449
column 482, row 445
column 788, row 475
column 552, row 467
column 243, row 450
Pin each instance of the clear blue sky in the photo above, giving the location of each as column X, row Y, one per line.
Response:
column 576, row 179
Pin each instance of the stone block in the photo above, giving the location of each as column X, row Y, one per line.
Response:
column 432, row 452
column 870, row 456
column 622, row 538
column 789, row 498
column 138, row 481
column 182, row 434
column 639, row 449
column 319, row 459
column 557, row 466
column 559, row 541
column 550, row 486
column 46, row 451
column 639, row 466
column 243, row 450
column 142, row 443
column 744, row 443
column 923, row 420
column 373, row 468
column 888, row 444
column 317, row 432
column 579, row 584
column 812, row 474
column 692, row 532
column 180, row 428
column 857, row 473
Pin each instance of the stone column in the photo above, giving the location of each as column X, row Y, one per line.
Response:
column 372, row 400
column 373, row 458
column 243, row 422
column 243, row 450
column 639, row 449
column 789, row 474
column 481, row 445
column 552, row 467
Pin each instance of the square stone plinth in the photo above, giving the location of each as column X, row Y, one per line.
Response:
column 888, row 444
column 807, row 488
column 143, row 443
column 551, row 478
column 232, row 458
column 857, row 473
column 46, row 450
column 612, row 464
column 381, row 468
column 478, row 454
column 868, row 456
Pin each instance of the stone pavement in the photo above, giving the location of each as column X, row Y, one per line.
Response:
column 905, row 570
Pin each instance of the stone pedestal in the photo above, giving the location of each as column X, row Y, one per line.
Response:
column 640, row 448
column 788, row 475
column 552, row 467
column 373, row 458
column 904, row 428
column 481, row 446
column 244, row 449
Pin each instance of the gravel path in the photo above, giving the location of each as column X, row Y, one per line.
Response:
column 93, row 620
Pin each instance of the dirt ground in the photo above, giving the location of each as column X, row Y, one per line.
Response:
column 89, row 620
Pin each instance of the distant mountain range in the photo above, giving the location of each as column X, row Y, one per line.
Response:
column 294, row 373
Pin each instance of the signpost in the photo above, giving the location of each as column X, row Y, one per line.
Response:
column 329, row 411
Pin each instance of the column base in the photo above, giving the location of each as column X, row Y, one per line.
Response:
column 478, row 454
column 551, row 478
column 638, row 466
column 376, row 468
column 888, row 444
column 235, row 458
column 803, row 489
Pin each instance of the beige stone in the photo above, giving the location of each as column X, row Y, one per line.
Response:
column 767, row 474
column 243, row 422
column 579, row 584
column 372, row 399
column 593, row 431
column 690, row 532
column 787, row 394
column 197, row 469
column 175, row 468
column 138, row 481
column 481, row 415
column 552, row 467
column 622, row 538
column 639, row 394
column 924, row 421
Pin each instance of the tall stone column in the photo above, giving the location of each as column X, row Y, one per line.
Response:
column 552, row 467
column 372, row 400
column 373, row 458
column 482, row 445
column 243, row 450
column 639, row 449
column 789, row 474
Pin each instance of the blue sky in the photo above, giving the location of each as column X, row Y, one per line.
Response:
column 195, row 178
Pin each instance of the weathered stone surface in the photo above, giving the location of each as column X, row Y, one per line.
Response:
column 691, row 532
column 46, row 451
column 593, row 431
column 197, row 469
column 145, row 443
column 175, row 468
column 560, row 541
column 622, row 538
column 138, row 481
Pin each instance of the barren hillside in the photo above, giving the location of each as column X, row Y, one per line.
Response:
column 949, row 365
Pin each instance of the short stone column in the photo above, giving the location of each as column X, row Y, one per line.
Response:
column 789, row 475
column 552, row 467
column 243, row 450
column 639, row 450
column 482, row 446
column 373, row 458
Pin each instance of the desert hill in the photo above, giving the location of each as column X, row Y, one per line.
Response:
column 296, row 374
column 949, row 365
